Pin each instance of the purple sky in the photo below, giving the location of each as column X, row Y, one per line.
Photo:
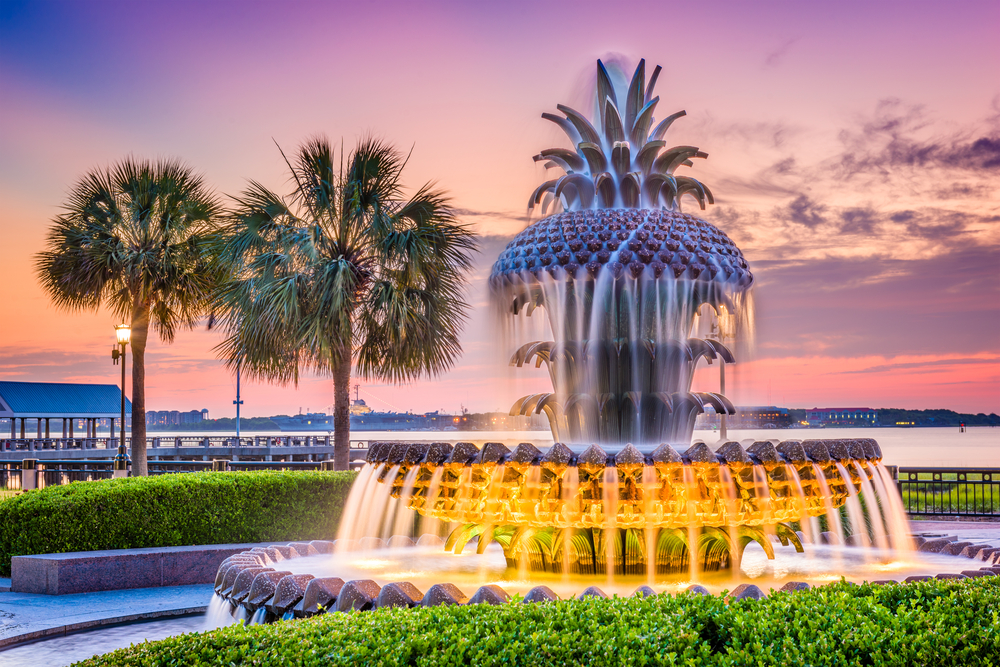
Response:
column 854, row 155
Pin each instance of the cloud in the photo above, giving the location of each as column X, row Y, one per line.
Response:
column 945, row 303
column 900, row 136
column 773, row 58
column 933, row 364
column 804, row 211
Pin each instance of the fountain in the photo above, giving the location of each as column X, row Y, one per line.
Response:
column 624, row 277
column 621, row 273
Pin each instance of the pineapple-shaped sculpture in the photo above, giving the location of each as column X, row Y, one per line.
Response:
column 621, row 273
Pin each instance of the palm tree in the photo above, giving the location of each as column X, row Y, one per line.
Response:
column 343, row 269
column 133, row 238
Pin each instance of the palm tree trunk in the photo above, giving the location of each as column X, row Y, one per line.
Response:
column 140, row 333
column 342, row 412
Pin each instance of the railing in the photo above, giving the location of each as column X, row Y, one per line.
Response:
column 158, row 442
column 10, row 476
column 972, row 492
column 56, row 473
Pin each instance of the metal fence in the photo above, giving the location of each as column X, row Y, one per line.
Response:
column 973, row 492
column 55, row 473
column 10, row 476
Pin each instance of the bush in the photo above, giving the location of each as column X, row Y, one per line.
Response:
column 926, row 623
column 173, row 510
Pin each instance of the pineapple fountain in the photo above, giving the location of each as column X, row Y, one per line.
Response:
column 621, row 274
column 623, row 277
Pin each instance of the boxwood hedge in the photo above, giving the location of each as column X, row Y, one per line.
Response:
column 927, row 623
column 173, row 510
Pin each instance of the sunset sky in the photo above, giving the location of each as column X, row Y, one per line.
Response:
column 854, row 155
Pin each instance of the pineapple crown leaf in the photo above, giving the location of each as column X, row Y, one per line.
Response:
column 620, row 162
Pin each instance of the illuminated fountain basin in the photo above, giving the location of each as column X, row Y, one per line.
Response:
column 645, row 514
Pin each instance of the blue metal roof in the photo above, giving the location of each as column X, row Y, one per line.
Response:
column 40, row 399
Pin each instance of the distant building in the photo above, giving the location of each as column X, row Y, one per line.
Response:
column 842, row 417
column 174, row 417
column 748, row 417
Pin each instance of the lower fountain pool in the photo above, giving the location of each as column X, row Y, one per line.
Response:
column 425, row 566
column 67, row 649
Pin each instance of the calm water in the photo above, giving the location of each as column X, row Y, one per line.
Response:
column 931, row 447
column 61, row 651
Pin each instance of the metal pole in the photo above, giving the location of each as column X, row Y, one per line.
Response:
column 122, row 442
column 238, row 403
column 120, row 465
column 723, row 433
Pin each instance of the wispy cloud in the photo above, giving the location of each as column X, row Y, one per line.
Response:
column 774, row 57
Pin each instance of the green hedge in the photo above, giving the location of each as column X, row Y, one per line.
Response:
column 173, row 510
column 927, row 623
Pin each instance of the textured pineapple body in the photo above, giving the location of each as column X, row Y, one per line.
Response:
column 626, row 243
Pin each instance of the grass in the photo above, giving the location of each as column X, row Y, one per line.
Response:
column 951, row 498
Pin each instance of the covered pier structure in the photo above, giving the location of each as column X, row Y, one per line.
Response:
column 63, row 403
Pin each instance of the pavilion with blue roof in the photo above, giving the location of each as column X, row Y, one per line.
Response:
column 45, row 401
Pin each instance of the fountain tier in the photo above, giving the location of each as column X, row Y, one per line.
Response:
column 559, row 510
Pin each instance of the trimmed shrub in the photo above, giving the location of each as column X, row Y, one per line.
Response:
column 927, row 623
column 173, row 510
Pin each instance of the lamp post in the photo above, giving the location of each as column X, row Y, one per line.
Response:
column 123, row 333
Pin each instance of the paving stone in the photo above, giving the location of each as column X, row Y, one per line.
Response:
column 320, row 596
column 973, row 550
column 285, row 550
column 984, row 554
column 948, row 575
column 399, row 594
column 918, row 541
column 262, row 589
column 792, row 586
column 643, row 592
column 304, row 548
column 443, row 594
column 401, row 541
column 695, row 589
column 288, row 593
column 979, row 573
column 430, row 541
column 917, row 577
column 240, row 588
column 955, row 548
column 340, row 546
column 934, row 546
column 746, row 592
column 358, row 594
column 592, row 592
column 322, row 546
column 490, row 594
column 368, row 543
column 540, row 594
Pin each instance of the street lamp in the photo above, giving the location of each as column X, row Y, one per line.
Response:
column 123, row 333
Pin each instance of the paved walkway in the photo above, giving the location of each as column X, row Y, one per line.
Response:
column 29, row 616
column 967, row 531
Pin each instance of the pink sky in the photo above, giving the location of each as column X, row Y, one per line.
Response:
column 854, row 154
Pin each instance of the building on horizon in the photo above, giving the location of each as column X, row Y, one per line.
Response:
column 842, row 417
column 175, row 417
column 747, row 417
